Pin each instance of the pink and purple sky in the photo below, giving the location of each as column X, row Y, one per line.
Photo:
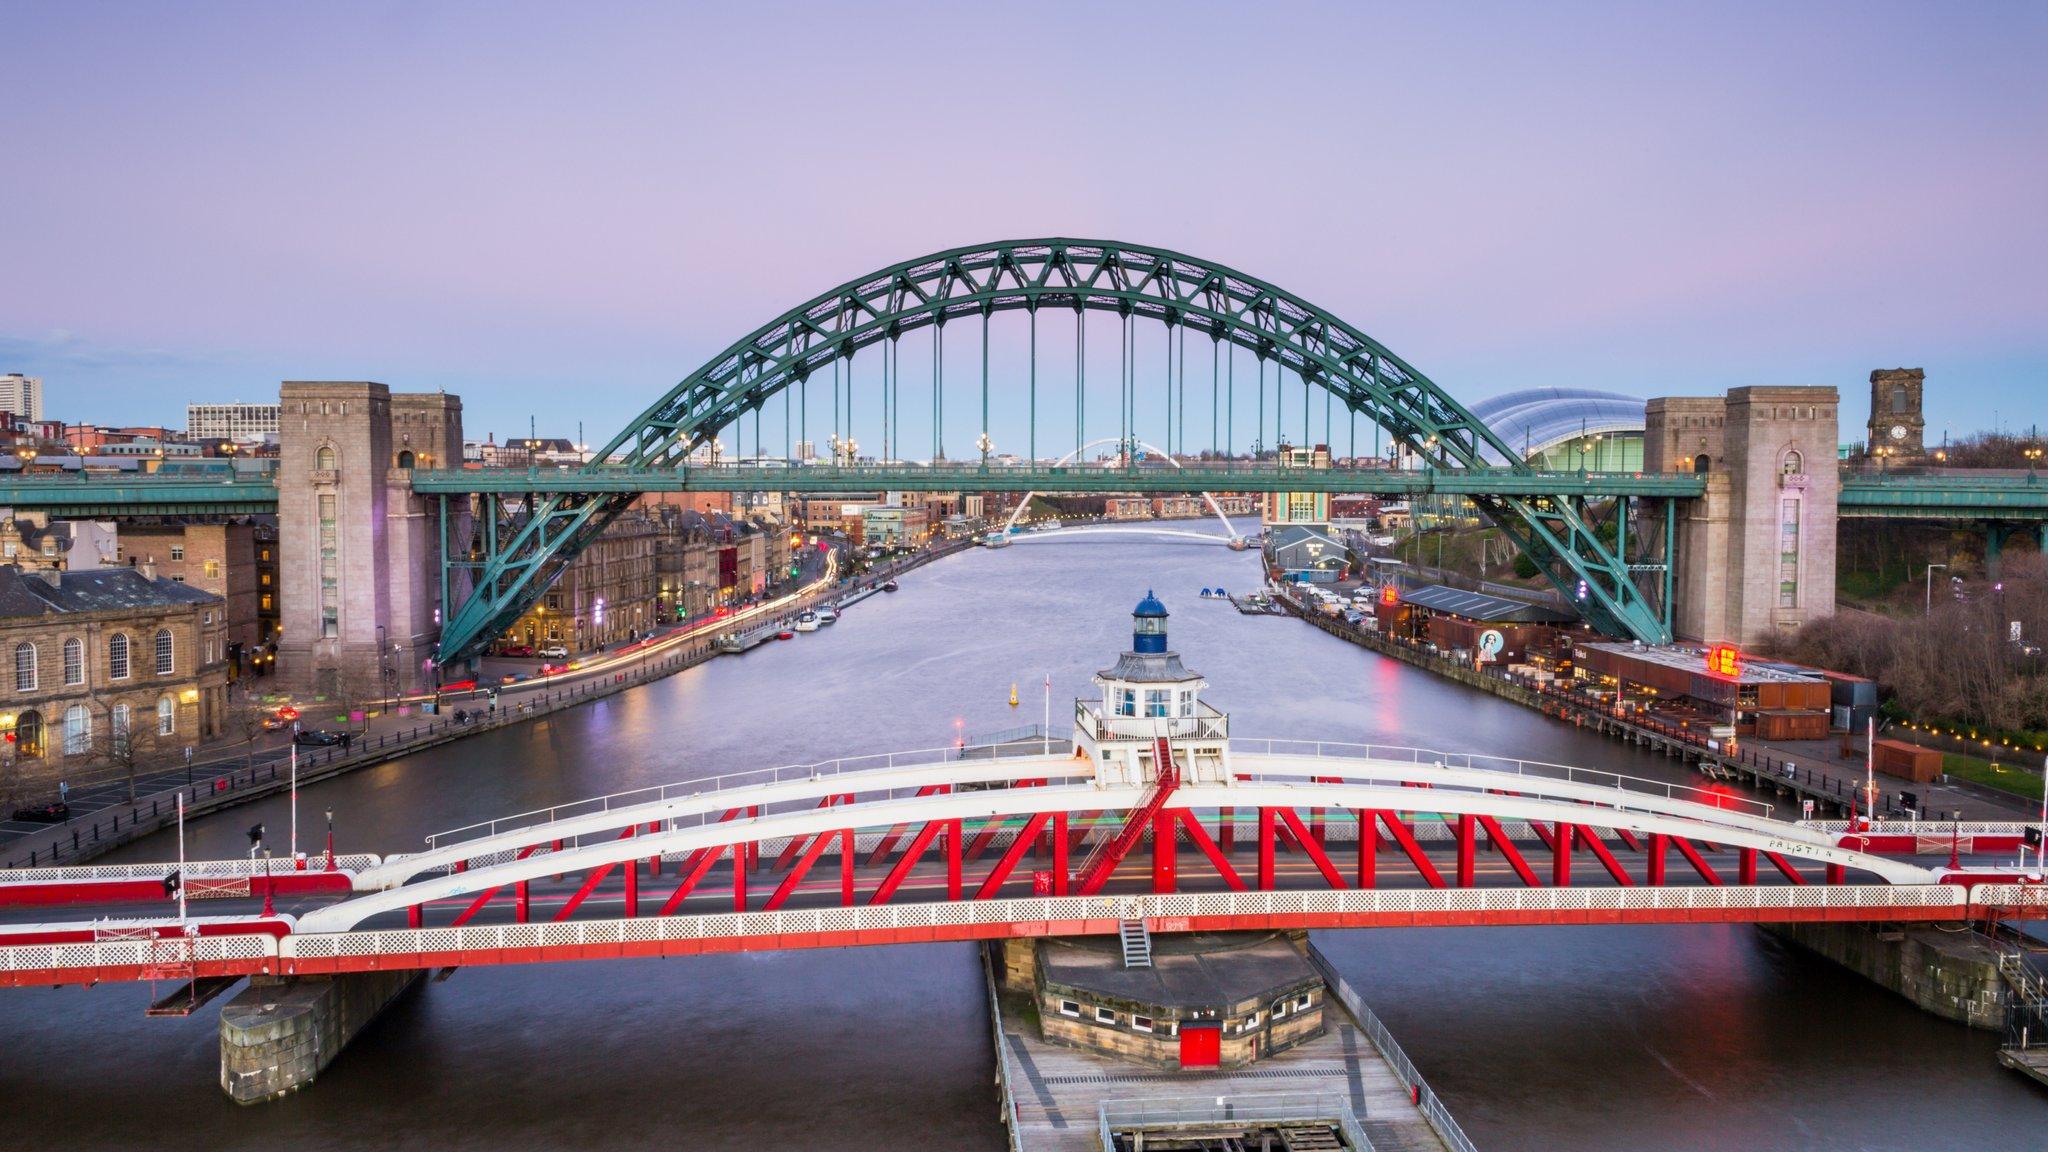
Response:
column 567, row 208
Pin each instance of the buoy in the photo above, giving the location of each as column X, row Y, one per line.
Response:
column 1013, row 695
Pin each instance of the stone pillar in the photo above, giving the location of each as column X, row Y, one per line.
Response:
column 360, row 563
column 281, row 1032
column 1756, row 554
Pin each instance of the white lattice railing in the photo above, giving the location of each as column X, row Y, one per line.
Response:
column 194, row 869
column 116, row 953
column 1930, row 828
column 1058, row 909
column 1069, row 909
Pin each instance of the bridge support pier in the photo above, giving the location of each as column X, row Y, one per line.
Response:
column 281, row 1032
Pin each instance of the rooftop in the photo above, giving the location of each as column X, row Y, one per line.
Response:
column 1692, row 659
column 95, row 590
column 1535, row 419
column 1480, row 606
column 1196, row 969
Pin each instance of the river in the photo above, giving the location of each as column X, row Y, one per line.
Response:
column 1680, row 1038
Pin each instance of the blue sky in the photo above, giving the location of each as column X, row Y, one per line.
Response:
column 563, row 209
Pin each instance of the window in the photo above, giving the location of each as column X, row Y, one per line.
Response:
column 1141, row 1023
column 209, row 618
column 264, row 579
column 74, row 661
column 28, row 735
column 213, row 569
column 1187, row 703
column 1279, row 1009
column 165, row 665
column 117, row 656
column 324, row 459
column 1250, row 1022
column 1127, row 702
column 1069, row 1008
column 24, row 667
column 120, row 729
column 1788, row 552
column 1104, row 1016
column 166, row 716
column 177, row 551
column 405, row 459
column 1155, row 701
column 330, row 565
column 1794, row 463
column 265, row 601
column 1301, row 1002
column 77, row 730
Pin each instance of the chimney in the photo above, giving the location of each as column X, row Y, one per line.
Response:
column 52, row 576
column 148, row 569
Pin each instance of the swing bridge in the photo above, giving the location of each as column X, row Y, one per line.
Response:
column 1019, row 840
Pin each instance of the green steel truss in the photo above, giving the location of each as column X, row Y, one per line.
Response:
column 1135, row 281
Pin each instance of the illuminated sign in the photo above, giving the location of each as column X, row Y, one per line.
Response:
column 1390, row 595
column 1724, row 660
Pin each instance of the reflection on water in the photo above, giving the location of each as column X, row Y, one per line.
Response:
column 1684, row 1038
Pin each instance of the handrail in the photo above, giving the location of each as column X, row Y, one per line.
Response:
column 1505, row 764
column 1426, row 1100
column 1004, row 1072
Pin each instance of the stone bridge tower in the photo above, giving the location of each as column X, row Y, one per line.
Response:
column 359, row 554
column 1756, row 554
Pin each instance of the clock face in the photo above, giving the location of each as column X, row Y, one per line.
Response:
column 1898, row 431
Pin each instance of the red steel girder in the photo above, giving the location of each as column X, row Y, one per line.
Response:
column 796, row 874
column 1413, row 851
column 1217, row 857
column 1509, row 852
column 1315, row 851
column 1007, row 862
column 1591, row 840
column 906, row 862
column 895, row 833
column 1698, row 862
column 1784, row 866
column 796, row 843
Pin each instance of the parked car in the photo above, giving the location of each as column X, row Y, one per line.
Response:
column 44, row 813
column 554, row 652
column 318, row 738
column 517, row 650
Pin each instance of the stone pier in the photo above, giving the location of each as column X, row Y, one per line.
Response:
column 281, row 1032
column 1951, row 974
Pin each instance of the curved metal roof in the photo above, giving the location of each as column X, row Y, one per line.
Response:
column 1535, row 419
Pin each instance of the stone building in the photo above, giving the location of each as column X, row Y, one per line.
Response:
column 1213, row 1000
column 1898, row 427
column 1756, row 554
column 104, row 665
column 358, row 554
column 216, row 558
column 607, row 594
column 33, row 542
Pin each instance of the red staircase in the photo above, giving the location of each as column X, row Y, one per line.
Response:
column 1107, row 854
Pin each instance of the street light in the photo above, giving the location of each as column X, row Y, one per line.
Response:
column 1928, row 610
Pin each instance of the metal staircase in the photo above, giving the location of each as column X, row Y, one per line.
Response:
column 1107, row 854
column 1137, row 942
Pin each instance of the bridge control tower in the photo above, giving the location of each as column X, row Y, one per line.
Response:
column 1150, row 696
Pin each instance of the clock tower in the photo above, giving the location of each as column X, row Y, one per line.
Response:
column 1896, row 426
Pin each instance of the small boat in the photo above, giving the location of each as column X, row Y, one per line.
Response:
column 996, row 540
column 785, row 634
column 828, row 615
column 1052, row 525
column 807, row 622
column 889, row 586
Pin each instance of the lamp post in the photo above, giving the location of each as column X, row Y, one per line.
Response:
column 1928, row 609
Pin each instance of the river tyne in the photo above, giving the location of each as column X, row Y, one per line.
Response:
column 1682, row 1038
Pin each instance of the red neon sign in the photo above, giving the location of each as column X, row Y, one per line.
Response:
column 1724, row 660
column 1390, row 595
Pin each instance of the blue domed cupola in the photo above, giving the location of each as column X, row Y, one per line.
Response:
column 1148, row 625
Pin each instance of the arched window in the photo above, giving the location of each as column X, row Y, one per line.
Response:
column 1794, row 464
column 28, row 735
column 77, row 730
column 1701, row 463
column 405, row 459
column 1898, row 398
column 24, row 667
column 117, row 656
column 164, row 664
column 74, row 661
column 120, row 729
column 166, row 716
column 324, row 459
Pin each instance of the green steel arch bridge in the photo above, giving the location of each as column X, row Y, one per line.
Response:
column 534, row 522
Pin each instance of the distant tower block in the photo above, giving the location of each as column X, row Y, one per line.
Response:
column 1896, row 423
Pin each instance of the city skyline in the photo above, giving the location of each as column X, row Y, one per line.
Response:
column 1651, row 203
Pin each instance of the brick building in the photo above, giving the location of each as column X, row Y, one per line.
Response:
column 104, row 665
column 606, row 595
column 217, row 558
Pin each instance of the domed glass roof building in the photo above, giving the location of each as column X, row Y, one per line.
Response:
column 1567, row 428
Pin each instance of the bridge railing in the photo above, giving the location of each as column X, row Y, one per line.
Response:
column 1207, row 1111
column 1433, row 1111
column 724, row 782
column 1336, row 750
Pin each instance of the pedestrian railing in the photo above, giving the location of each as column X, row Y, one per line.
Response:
column 1439, row 1117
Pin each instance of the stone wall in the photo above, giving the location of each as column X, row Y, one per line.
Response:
column 281, row 1032
column 1951, row 974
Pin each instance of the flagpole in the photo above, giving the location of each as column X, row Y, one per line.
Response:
column 1048, row 735
column 295, row 803
column 181, row 857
